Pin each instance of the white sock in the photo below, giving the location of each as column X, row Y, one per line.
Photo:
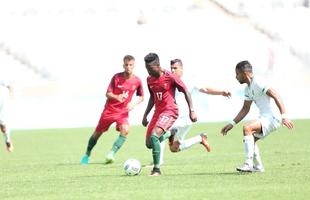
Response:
column 257, row 159
column 162, row 149
column 7, row 135
column 185, row 144
column 248, row 142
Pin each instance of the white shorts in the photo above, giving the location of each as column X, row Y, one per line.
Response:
column 181, row 132
column 269, row 124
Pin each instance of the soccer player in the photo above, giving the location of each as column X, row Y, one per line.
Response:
column 5, row 93
column 162, row 85
column 268, row 121
column 121, row 89
column 182, row 125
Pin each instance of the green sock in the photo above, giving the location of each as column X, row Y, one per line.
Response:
column 164, row 136
column 91, row 143
column 118, row 144
column 155, row 150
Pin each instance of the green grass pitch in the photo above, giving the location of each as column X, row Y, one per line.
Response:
column 45, row 165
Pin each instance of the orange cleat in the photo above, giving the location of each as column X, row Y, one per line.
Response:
column 204, row 142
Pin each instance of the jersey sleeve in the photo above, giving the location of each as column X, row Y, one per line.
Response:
column 262, row 85
column 111, row 85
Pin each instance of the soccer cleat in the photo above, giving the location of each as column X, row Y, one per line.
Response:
column 9, row 146
column 84, row 160
column 109, row 159
column 245, row 168
column 258, row 168
column 155, row 172
column 204, row 142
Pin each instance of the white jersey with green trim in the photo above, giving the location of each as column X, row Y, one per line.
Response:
column 256, row 92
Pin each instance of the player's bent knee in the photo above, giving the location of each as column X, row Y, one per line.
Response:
column 247, row 130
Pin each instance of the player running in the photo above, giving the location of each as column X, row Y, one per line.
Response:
column 5, row 93
column 268, row 121
column 162, row 85
column 182, row 125
column 119, row 94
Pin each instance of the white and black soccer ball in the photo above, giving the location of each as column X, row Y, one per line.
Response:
column 132, row 167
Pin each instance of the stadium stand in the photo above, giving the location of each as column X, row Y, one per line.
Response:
column 60, row 53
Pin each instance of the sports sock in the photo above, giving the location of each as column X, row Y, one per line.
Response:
column 7, row 135
column 155, row 150
column 248, row 142
column 257, row 158
column 162, row 149
column 164, row 136
column 91, row 143
column 118, row 144
column 185, row 144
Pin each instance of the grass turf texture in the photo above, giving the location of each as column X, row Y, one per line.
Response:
column 45, row 165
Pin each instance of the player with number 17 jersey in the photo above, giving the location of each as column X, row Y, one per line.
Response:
column 163, row 90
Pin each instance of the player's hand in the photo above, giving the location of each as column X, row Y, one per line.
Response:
column 130, row 106
column 226, row 128
column 145, row 122
column 288, row 123
column 226, row 94
column 193, row 116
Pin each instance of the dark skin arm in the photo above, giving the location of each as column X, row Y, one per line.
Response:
column 275, row 96
column 148, row 110
column 188, row 98
column 242, row 113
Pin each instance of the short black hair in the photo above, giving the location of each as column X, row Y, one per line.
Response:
column 244, row 66
column 152, row 59
column 172, row 62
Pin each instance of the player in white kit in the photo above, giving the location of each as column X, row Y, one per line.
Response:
column 261, row 93
column 183, row 124
column 5, row 92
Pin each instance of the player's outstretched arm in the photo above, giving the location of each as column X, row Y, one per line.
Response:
column 285, row 120
column 215, row 92
column 242, row 113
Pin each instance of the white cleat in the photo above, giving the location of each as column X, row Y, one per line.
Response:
column 258, row 168
column 245, row 168
column 109, row 159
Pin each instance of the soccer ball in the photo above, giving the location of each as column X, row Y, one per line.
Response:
column 132, row 167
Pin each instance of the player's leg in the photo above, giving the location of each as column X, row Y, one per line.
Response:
column 118, row 143
column 91, row 144
column 257, row 161
column 103, row 125
column 269, row 124
column 164, row 122
column 7, row 134
column 181, row 144
column 154, row 139
column 248, row 141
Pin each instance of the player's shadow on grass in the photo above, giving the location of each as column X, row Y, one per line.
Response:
column 89, row 164
column 211, row 174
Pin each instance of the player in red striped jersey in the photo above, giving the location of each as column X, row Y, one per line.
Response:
column 162, row 85
column 122, row 87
